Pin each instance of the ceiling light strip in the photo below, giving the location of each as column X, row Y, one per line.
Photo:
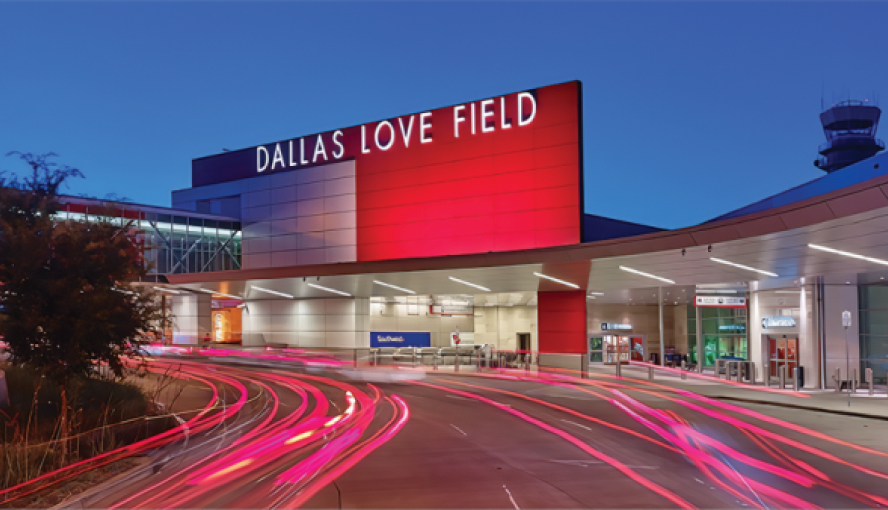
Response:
column 848, row 254
column 389, row 285
column 596, row 293
column 457, row 280
column 216, row 292
column 655, row 277
column 328, row 289
column 171, row 291
column 741, row 266
column 556, row 280
column 282, row 294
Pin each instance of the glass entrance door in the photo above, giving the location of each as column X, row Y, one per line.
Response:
column 782, row 351
column 616, row 348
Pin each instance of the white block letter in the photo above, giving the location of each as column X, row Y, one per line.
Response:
column 472, row 111
column 486, row 114
column 364, row 148
column 522, row 121
column 504, row 122
column 338, row 143
column 302, row 159
column 391, row 138
column 320, row 150
column 425, row 126
column 292, row 161
column 278, row 156
column 457, row 118
column 405, row 135
column 260, row 166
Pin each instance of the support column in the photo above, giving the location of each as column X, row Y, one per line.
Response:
column 662, row 355
column 561, row 318
column 192, row 318
column 701, row 351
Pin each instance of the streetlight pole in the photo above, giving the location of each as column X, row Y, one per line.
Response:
column 846, row 323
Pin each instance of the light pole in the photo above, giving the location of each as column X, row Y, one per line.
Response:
column 846, row 323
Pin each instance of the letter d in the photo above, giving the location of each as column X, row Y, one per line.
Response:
column 260, row 167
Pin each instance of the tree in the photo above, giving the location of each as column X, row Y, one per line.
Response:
column 64, row 288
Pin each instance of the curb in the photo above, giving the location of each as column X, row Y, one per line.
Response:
column 800, row 407
column 94, row 492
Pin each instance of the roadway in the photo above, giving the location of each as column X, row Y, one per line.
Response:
column 303, row 435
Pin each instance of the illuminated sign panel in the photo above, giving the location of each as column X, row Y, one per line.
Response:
column 497, row 174
column 720, row 302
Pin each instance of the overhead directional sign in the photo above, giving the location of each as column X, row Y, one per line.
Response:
column 720, row 301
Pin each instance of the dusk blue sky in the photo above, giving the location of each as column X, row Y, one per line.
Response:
column 690, row 109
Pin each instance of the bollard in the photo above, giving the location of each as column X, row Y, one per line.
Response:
column 527, row 363
column 781, row 375
column 437, row 355
column 650, row 373
column 456, row 360
column 684, row 372
column 766, row 376
column 356, row 358
column 795, row 381
column 375, row 358
column 619, row 369
column 414, row 356
column 869, row 380
column 854, row 381
column 838, row 378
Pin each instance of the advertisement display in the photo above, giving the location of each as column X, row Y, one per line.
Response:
column 497, row 174
column 391, row 339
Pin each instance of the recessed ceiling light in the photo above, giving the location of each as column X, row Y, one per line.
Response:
column 590, row 297
column 741, row 266
column 269, row 291
column 849, row 254
column 457, row 280
column 389, row 285
column 636, row 271
column 596, row 293
column 328, row 289
column 556, row 280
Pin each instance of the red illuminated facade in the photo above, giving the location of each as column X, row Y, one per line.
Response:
column 507, row 189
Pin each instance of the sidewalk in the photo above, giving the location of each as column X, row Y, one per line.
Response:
column 862, row 404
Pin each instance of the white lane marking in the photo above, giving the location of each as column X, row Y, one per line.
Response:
column 700, row 481
column 511, row 498
column 583, row 463
column 459, row 429
column 577, row 424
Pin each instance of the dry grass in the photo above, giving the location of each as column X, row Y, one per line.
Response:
column 104, row 414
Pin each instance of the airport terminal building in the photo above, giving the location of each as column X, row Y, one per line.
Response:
column 467, row 224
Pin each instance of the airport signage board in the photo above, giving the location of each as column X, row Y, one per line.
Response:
column 613, row 326
column 720, row 301
column 392, row 339
column 496, row 174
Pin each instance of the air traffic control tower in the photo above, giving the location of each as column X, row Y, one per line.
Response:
column 850, row 129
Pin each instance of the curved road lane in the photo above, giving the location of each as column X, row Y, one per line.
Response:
column 284, row 432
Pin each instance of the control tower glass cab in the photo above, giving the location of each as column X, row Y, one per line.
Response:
column 850, row 129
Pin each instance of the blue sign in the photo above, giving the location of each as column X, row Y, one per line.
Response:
column 390, row 339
